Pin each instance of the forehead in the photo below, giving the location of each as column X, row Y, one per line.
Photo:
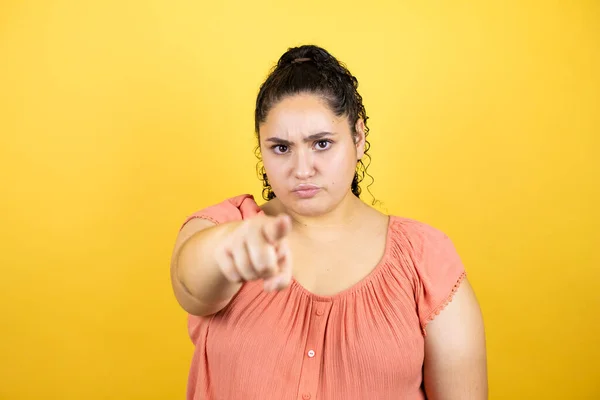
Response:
column 301, row 114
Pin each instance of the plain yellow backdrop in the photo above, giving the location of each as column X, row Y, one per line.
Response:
column 119, row 118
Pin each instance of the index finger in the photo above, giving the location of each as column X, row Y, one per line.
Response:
column 285, row 263
column 284, row 275
column 277, row 228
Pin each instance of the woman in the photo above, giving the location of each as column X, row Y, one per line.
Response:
column 314, row 294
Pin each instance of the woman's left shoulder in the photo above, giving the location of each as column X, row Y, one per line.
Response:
column 416, row 231
column 427, row 255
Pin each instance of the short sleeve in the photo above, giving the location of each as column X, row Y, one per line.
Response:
column 233, row 209
column 440, row 272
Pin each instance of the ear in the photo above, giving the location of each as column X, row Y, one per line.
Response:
column 359, row 138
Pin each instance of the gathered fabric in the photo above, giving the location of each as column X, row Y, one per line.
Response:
column 366, row 342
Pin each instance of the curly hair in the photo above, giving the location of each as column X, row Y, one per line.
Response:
column 311, row 69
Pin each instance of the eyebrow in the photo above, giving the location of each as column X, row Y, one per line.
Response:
column 311, row 138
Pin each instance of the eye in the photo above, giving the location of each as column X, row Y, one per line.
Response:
column 280, row 148
column 323, row 144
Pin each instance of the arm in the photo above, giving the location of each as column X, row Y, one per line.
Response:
column 209, row 262
column 455, row 366
column 198, row 283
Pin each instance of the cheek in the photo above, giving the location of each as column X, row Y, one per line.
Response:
column 339, row 165
column 345, row 157
column 275, row 167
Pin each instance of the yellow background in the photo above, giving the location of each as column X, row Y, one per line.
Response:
column 119, row 118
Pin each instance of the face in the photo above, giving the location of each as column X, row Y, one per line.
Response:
column 310, row 154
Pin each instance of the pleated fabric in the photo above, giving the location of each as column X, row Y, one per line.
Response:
column 366, row 342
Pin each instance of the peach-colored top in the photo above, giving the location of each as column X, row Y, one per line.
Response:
column 366, row 342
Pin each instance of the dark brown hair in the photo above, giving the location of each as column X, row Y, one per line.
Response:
column 311, row 69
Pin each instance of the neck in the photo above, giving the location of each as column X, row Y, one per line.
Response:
column 344, row 216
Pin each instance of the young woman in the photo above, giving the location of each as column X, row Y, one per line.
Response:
column 314, row 294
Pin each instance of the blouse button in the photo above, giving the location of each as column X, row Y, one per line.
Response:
column 311, row 353
column 306, row 396
column 320, row 312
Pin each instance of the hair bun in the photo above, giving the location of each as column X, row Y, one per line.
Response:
column 306, row 53
column 299, row 60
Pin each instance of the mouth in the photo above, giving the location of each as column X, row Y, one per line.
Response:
column 306, row 191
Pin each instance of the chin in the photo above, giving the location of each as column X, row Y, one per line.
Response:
column 310, row 210
column 312, row 207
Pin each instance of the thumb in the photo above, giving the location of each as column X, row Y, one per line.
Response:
column 276, row 228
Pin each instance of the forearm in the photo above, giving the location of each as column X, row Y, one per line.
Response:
column 199, row 285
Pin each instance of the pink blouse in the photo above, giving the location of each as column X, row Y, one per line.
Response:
column 366, row 342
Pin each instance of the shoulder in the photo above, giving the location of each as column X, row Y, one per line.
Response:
column 416, row 233
column 234, row 208
column 428, row 256
column 424, row 249
column 244, row 198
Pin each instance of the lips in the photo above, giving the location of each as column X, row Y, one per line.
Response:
column 306, row 191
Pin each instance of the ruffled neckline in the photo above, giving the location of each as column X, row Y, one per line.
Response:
column 375, row 272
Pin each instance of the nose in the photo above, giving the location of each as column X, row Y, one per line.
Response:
column 304, row 165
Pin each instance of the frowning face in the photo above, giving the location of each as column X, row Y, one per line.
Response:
column 310, row 154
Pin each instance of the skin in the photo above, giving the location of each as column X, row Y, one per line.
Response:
column 302, row 141
column 327, row 242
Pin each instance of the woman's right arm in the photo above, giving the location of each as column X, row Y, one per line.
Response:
column 198, row 283
column 210, row 262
